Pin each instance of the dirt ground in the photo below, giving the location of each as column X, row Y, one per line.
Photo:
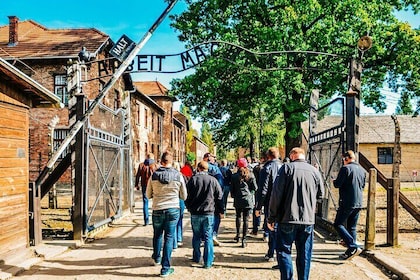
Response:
column 124, row 252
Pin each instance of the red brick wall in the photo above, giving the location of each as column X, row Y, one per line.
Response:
column 40, row 139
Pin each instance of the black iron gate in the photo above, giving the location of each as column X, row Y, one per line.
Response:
column 326, row 144
column 106, row 172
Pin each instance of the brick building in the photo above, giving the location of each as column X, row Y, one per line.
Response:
column 174, row 123
column 46, row 55
column 199, row 148
column 147, row 124
column 43, row 54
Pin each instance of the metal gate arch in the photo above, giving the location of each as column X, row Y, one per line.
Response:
column 106, row 156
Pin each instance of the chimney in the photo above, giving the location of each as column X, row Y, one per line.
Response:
column 13, row 31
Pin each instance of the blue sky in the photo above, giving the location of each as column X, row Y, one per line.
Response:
column 115, row 18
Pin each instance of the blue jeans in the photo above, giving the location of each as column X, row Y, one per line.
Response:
column 270, row 234
column 345, row 223
column 272, row 241
column 145, row 206
column 303, row 236
column 164, row 221
column 216, row 224
column 202, row 226
column 179, row 225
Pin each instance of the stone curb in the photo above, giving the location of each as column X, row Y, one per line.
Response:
column 42, row 252
column 396, row 268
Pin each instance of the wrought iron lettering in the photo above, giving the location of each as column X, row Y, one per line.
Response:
column 265, row 61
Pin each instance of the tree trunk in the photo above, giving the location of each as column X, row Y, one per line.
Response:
column 251, row 145
column 291, row 142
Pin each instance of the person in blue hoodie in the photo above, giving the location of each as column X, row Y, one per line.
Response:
column 166, row 187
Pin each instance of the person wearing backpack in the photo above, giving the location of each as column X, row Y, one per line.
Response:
column 144, row 172
column 243, row 188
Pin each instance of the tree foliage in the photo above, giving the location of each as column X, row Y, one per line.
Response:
column 234, row 93
column 191, row 132
column 207, row 136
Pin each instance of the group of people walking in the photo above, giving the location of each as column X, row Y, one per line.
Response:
column 286, row 192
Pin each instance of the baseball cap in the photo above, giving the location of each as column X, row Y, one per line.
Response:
column 242, row 162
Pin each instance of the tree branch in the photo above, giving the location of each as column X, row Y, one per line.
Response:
column 306, row 28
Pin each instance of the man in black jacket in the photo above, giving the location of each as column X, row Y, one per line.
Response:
column 265, row 184
column 350, row 182
column 296, row 189
column 204, row 199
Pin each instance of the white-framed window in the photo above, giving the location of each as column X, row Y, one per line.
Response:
column 60, row 88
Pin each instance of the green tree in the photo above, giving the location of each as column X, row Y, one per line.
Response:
column 206, row 136
column 191, row 132
column 404, row 105
column 191, row 157
column 229, row 89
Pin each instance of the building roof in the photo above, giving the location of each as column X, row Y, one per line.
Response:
column 196, row 138
column 377, row 128
column 153, row 88
column 381, row 129
column 149, row 101
column 182, row 118
column 36, row 41
column 40, row 96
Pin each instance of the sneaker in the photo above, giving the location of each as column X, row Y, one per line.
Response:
column 167, row 273
column 215, row 241
column 156, row 263
column 180, row 244
column 350, row 253
column 207, row 266
column 236, row 238
column 267, row 258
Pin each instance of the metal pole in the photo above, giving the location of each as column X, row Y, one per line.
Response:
column 79, row 124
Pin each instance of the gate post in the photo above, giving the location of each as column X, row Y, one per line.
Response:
column 394, row 190
column 35, row 231
column 353, row 107
column 371, row 210
column 392, row 211
column 78, row 157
